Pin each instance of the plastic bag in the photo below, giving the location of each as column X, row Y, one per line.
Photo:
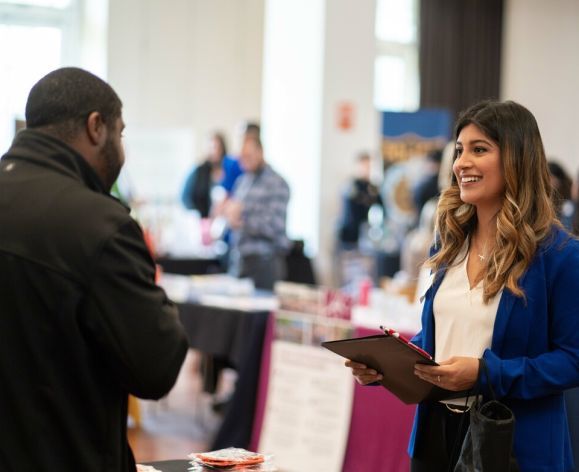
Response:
column 231, row 459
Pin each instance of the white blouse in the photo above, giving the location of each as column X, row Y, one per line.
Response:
column 463, row 323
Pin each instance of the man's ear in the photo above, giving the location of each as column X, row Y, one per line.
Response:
column 96, row 129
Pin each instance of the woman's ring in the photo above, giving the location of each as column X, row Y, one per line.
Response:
column 438, row 378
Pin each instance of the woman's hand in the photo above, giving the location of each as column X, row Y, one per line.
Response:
column 362, row 373
column 456, row 373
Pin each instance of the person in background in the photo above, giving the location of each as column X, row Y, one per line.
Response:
column 218, row 170
column 357, row 199
column 84, row 323
column 562, row 199
column 427, row 186
column 251, row 129
column 505, row 289
column 256, row 214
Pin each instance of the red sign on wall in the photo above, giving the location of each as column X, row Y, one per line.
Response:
column 345, row 116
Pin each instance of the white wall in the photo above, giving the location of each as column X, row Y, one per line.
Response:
column 318, row 54
column 187, row 64
column 348, row 78
column 292, row 107
column 541, row 70
column 93, row 40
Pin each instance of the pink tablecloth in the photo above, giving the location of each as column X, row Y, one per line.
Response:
column 379, row 429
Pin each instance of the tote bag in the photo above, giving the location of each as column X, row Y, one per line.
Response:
column 488, row 444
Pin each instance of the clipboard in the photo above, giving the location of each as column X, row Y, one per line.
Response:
column 394, row 358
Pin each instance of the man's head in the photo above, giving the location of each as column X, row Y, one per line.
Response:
column 251, row 158
column 252, row 129
column 83, row 111
column 363, row 166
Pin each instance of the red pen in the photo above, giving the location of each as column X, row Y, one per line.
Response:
column 396, row 334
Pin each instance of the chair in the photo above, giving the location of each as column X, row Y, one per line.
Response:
column 299, row 268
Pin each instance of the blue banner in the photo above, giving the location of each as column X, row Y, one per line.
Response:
column 405, row 134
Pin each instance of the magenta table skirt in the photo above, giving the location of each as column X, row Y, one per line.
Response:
column 379, row 429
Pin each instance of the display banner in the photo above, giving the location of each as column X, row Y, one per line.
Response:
column 310, row 393
column 406, row 134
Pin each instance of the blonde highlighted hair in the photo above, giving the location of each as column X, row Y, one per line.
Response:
column 527, row 213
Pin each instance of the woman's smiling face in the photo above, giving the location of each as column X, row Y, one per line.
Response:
column 478, row 169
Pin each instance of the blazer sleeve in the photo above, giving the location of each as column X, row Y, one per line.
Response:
column 557, row 368
column 131, row 320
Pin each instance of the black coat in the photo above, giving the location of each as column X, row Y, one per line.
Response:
column 82, row 323
column 357, row 201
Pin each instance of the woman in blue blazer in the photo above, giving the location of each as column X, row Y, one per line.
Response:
column 505, row 288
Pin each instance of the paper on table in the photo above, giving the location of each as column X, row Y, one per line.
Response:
column 240, row 303
column 146, row 468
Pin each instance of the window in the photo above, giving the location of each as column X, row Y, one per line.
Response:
column 396, row 82
column 40, row 3
column 37, row 37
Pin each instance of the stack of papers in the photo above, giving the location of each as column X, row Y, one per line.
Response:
column 231, row 459
column 146, row 468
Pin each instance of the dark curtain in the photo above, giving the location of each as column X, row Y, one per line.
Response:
column 460, row 52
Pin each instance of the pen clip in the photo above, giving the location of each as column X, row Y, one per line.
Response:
column 390, row 332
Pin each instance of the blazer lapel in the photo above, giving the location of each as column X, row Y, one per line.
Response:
column 428, row 322
column 507, row 304
column 502, row 319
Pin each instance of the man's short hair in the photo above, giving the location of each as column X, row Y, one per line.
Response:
column 62, row 100
column 255, row 140
column 363, row 156
column 252, row 129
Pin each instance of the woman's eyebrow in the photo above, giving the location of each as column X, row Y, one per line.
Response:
column 479, row 141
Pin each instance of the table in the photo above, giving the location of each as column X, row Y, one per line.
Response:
column 379, row 430
column 170, row 466
column 190, row 266
column 380, row 425
column 236, row 337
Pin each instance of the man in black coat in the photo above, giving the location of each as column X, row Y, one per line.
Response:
column 81, row 320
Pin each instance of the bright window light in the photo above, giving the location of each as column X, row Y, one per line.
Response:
column 396, row 81
column 396, row 21
column 40, row 3
column 30, row 53
column 390, row 74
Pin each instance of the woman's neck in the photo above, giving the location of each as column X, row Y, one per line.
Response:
column 486, row 227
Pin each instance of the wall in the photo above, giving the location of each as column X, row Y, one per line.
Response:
column 195, row 65
column 292, row 107
column 541, row 70
column 348, row 78
column 93, row 32
column 318, row 54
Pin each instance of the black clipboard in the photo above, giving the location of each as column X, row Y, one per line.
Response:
column 395, row 360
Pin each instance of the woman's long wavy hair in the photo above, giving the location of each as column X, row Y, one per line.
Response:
column 527, row 213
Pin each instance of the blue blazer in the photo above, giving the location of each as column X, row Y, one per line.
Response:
column 534, row 354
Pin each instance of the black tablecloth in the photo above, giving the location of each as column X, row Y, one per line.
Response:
column 175, row 466
column 170, row 466
column 236, row 337
column 190, row 266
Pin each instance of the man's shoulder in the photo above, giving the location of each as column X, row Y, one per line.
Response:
column 274, row 178
column 63, row 228
column 96, row 206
